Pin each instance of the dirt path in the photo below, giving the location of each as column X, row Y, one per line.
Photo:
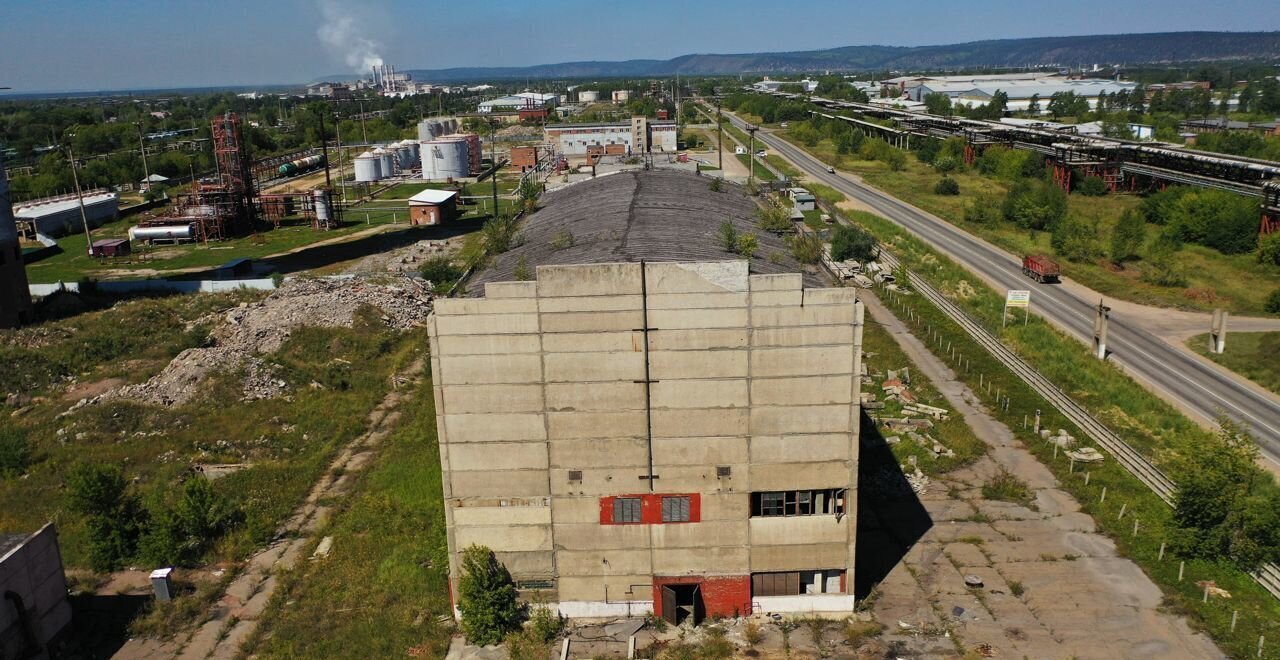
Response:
column 236, row 614
column 1074, row 596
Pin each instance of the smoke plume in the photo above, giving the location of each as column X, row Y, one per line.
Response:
column 345, row 37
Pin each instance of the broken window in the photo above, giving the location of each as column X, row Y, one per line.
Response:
column 626, row 510
column 675, row 509
column 796, row 583
column 798, row 502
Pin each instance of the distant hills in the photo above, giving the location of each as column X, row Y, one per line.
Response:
column 1130, row 49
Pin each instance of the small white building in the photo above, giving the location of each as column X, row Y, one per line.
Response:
column 802, row 199
column 521, row 101
column 576, row 139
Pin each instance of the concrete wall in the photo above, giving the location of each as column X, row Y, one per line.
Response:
column 33, row 571
column 541, row 397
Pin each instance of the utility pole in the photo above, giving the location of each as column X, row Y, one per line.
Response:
column 751, row 154
column 146, row 172
column 493, row 160
column 720, row 136
column 363, row 128
column 84, row 219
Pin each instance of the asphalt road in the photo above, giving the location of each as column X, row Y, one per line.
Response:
column 1196, row 387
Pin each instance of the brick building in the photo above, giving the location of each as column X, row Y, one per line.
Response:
column 433, row 207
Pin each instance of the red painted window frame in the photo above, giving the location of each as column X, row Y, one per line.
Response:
column 651, row 508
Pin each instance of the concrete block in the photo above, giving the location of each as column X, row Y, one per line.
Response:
column 603, row 562
column 474, row 516
column 804, row 336
column 699, row 394
column 487, row 324
column 698, row 339
column 780, row 282
column 697, row 536
column 779, row 420
column 669, row 365
column 706, row 301
column 515, row 483
column 494, row 427
column 570, row 425
column 801, row 448
column 592, row 321
column 457, row 306
column 619, row 395
column 816, row 556
column 788, row 298
column 510, row 289
column 705, row 451
column 454, row 345
column 460, row 399
column 799, row 530
column 489, row 456
column 509, row 539
column 589, row 280
column 710, row 277
column 590, row 304
column 713, row 560
column 831, row 296
column 674, row 319
column 583, row 342
column 801, row 361
column 765, row 317
column 672, row 423
column 595, row 452
column 795, row 476
column 583, row 367
column 487, row 369
column 801, row 391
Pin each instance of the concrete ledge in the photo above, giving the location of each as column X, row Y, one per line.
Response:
column 842, row 603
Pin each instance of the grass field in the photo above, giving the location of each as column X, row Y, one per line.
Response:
column 1254, row 355
column 761, row 171
column 380, row 592
column 1235, row 282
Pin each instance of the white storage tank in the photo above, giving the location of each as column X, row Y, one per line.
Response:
column 445, row 159
column 323, row 215
column 429, row 129
column 368, row 167
column 588, row 96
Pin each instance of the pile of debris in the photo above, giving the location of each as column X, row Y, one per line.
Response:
column 254, row 329
column 411, row 258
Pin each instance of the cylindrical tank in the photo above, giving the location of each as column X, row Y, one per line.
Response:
column 452, row 124
column 414, row 148
column 180, row 232
column 368, row 167
column 387, row 161
column 588, row 96
column 445, row 159
column 405, row 155
column 321, row 201
column 429, row 129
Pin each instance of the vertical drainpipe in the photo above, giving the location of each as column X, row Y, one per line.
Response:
column 855, row 411
column 648, row 382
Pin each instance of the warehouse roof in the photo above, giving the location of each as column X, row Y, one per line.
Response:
column 35, row 210
column 628, row 216
column 432, row 196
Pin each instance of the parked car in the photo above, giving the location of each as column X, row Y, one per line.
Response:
column 831, row 170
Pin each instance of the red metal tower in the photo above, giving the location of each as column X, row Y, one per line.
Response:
column 235, row 171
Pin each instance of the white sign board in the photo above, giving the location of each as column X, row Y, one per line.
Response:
column 1018, row 299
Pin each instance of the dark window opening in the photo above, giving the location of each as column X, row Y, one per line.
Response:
column 675, row 509
column 626, row 510
column 798, row 502
column 797, row 583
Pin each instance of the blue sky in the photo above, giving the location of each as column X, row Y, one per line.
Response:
column 113, row 44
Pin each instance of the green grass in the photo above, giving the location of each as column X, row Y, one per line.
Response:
column 287, row 441
column 1254, row 355
column 762, row 172
column 379, row 593
column 1235, row 282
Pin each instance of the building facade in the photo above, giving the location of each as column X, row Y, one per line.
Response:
column 34, row 607
column 637, row 136
column 15, row 294
column 433, row 207
column 676, row 438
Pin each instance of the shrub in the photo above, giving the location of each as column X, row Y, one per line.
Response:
column 179, row 535
column 1269, row 249
column 1224, row 221
column 563, row 240
column 727, row 235
column 716, row 185
column 522, row 272
column 486, row 597
column 806, row 248
column 1035, row 205
column 1092, row 186
column 1076, row 238
column 747, row 245
column 499, row 235
column 1127, row 237
column 946, row 186
column 1158, row 206
column 983, row 209
column 440, row 271
column 945, row 164
column 1161, row 266
column 1006, row 487
column 15, row 451
column 850, row 242
column 113, row 515
column 752, row 634
column 1273, row 302
column 774, row 219
column 857, row 632
column 1016, row 588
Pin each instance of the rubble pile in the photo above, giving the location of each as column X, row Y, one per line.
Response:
column 263, row 327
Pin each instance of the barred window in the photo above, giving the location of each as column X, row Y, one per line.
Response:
column 675, row 509
column 626, row 510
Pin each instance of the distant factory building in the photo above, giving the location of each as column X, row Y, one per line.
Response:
column 767, row 85
column 621, row 95
column 15, row 296
column 59, row 216
column 521, row 101
column 636, row 136
column 329, row 90
column 433, row 207
column 904, row 84
column 34, row 609
column 588, row 96
column 1019, row 92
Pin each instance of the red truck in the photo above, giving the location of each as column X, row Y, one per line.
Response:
column 1040, row 268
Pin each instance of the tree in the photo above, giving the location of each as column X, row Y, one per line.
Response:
column 1033, row 105
column 528, row 193
column 1092, row 186
column 178, row 535
column 1076, row 238
column 1272, row 305
column 1035, row 205
column 113, row 515
column 850, row 242
column 774, row 219
column 1127, row 237
column 486, row 597
column 15, row 451
column 983, row 209
column 747, row 245
column 727, row 235
column 938, row 103
column 1160, row 266
column 1269, row 249
column 946, row 186
column 806, row 248
column 1224, row 221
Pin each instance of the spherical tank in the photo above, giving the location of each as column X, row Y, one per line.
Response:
column 445, row 159
column 368, row 168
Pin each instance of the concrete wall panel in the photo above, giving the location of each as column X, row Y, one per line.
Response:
column 603, row 562
column 515, row 483
column 763, row 317
column 668, row 365
column 707, row 451
column 461, row 399
column 799, row 530
column 494, row 427
column 800, row 448
column 591, row 453
column 482, row 369
column 580, row 367
column 699, row 394
column 805, row 336
column 776, row 420
column 572, row 425
column 487, row 324
column 802, row 391
column 454, row 345
column 592, row 321
column 794, row 476
column 702, row 561
column 816, row 556
column 583, row 342
column 489, row 456
column 802, row 361
column 673, row 423
column 698, row 339
column 589, row 397
column 589, row 280
column 510, row 539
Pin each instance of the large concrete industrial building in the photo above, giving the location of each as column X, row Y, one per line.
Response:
column 639, row 135
column 15, row 294
column 647, row 425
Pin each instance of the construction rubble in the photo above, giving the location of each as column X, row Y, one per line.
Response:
column 254, row 329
